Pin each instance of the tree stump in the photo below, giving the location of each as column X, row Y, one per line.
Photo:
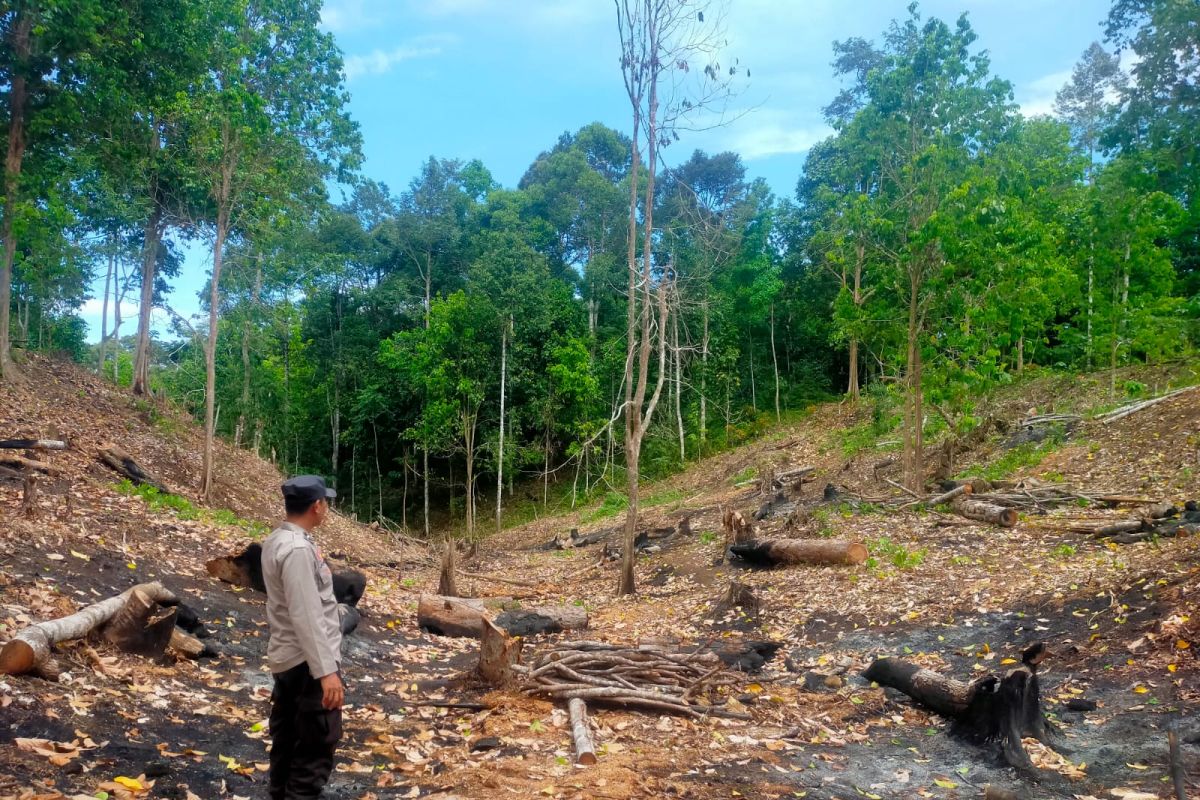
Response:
column 497, row 653
column 738, row 595
column 141, row 626
column 447, row 582
column 988, row 709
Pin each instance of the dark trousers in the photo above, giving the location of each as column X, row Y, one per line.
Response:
column 304, row 736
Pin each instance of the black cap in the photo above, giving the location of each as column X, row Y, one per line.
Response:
column 308, row 488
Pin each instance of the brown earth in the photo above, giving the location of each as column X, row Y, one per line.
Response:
column 1123, row 623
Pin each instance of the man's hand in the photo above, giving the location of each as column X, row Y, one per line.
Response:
column 333, row 692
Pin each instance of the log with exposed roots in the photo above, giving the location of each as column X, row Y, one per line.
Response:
column 801, row 551
column 465, row 617
column 988, row 709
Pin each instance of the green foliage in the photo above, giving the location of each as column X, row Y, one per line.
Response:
column 1023, row 456
column 896, row 554
column 612, row 504
column 1064, row 551
column 184, row 509
column 745, row 476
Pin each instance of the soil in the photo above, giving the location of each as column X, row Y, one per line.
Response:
column 962, row 598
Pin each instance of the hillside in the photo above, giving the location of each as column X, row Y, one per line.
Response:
column 1122, row 621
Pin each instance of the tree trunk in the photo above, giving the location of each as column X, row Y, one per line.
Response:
column 108, row 275
column 19, row 43
column 378, row 469
column 775, row 363
column 753, row 383
column 244, row 411
column 859, row 254
column 210, row 359
column 801, row 551
column 500, row 457
column 632, row 416
column 425, row 482
column 448, row 579
column 914, row 467
column 678, row 384
column 464, row 617
column 150, row 243
column 30, row 648
column 497, row 654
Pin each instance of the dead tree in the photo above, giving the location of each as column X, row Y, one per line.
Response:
column 988, row 709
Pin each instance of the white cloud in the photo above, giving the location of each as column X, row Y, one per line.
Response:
column 1037, row 97
column 380, row 61
column 341, row 16
column 775, row 138
column 536, row 14
column 95, row 307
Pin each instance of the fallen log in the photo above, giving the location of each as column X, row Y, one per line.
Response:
column 497, row 653
column 125, row 466
column 29, row 650
column 243, row 569
column 801, row 551
column 28, row 464
column 32, row 444
column 937, row 500
column 1125, row 411
column 988, row 709
column 1122, row 526
column 983, row 511
column 581, row 734
column 465, row 617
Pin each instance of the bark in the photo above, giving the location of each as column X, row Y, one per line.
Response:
column 140, row 626
column 983, row 511
column 454, row 616
column 30, row 649
column 859, row 255
column 581, row 734
column 18, row 95
column 152, row 235
column 801, row 551
column 497, row 654
column 447, row 583
column 913, row 462
column 224, row 192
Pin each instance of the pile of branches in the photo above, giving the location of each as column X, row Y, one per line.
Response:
column 649, row 677
column 1160, row 519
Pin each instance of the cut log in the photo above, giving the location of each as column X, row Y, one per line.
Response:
column 983, row 511
column 988, row 709
column 28, row 464
column 30, row 648
column 581, row 733
column 497, row 653
column 458, row 616
column 1125, row 411
column 801, row 551
column 32, row 444
column 125, row 466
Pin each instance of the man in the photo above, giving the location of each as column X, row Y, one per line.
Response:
column 304, row 652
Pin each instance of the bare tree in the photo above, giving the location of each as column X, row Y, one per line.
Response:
column 668, row 61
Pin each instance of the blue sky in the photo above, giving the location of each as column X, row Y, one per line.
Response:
column 499, row 80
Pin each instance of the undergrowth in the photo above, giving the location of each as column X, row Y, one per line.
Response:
column 895, row 554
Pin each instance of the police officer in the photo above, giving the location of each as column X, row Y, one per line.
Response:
column 304, row 652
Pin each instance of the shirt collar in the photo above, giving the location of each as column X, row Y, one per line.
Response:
column 294, row 528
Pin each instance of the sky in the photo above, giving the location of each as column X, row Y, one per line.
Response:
column 500, row 80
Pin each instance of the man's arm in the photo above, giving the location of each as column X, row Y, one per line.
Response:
column 304, row 608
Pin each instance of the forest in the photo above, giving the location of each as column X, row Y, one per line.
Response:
column 456, row 355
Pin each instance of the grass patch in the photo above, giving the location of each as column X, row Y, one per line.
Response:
column 1024, row 456
column 612, row 504
column 745, row 476
column 708, row 537
column 663, row 498
column 1064, row 551
column 896, row 554
column 185, row 509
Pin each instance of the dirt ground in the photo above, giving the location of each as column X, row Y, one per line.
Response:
column 1122, row 623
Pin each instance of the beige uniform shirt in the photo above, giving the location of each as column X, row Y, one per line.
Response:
column 301, row 609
